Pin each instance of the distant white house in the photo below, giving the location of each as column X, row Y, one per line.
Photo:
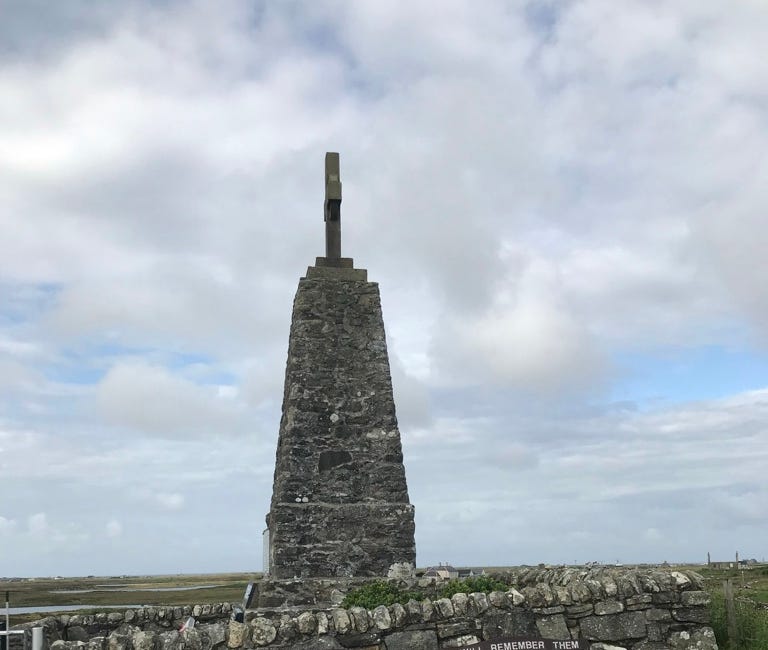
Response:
column 444, row 571
column 470, row 573
column 448, row 572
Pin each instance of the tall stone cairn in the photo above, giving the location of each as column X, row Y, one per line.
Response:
column 340, row 502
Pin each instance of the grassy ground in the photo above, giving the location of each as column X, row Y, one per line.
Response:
column 750, row 588
column 229, row 587
column 747, row 583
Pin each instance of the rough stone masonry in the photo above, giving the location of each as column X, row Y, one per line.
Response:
column 611, row 609
column 340, row 502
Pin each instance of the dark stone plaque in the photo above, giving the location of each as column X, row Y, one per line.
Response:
column 528, row 644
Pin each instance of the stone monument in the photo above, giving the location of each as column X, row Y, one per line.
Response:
column 340, row 502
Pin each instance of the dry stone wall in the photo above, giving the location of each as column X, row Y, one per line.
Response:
column 631, row 609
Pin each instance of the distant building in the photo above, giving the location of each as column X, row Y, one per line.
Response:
column 728, row 564
column 723, row 565
column 470, row 572
column 444, row 571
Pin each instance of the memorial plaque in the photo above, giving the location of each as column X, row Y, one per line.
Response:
column 517, row 643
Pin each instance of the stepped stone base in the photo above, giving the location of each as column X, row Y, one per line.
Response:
column 345, row 540
column 280, row 595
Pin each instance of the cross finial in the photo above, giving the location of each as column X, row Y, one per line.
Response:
column 332, row 206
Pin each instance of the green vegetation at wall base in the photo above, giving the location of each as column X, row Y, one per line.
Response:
column 478, row 584
column 378, row 593
column 381, row 592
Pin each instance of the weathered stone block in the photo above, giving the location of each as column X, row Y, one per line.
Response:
column 455, row 628
column 665, row 598
column 322, row 643
column 516, row 622
column 460, row 641
column 650, row 645
column 518, row 599
column 681, row 580
column 691, row 614
column 610, row 587
column 479, row 602
column 548, row 611
column 169, row 640
column 361, row 641
column 579, row 611
column 214, row 634
column 238, row 633
column 642, row 599
column 498, row 599
column 359, row 616
column 655, row 614
column 614, row 627
column 413, row 608
column 381, row 618
column 307, row 623
column 144, row 641
column 341, row 621
column 694, row 598
column 421, row 639
column 288, row 630
column 580, row 593
column 427, row 610
column 553, row 627
column 460, row 602
column 398, row 615
column 701, row 639
column 117, row 641
column 604, row 607
column 191, row 639
column 444, row 607
column 77, row 633
column 657, row 631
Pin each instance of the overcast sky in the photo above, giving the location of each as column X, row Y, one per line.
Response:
column 564, row 205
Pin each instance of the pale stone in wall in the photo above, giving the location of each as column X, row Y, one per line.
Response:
column 238, row 632
column 263, row 632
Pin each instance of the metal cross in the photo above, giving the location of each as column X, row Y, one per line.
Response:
column 332, row 206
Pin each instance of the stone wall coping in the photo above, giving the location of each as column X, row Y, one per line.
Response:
column 638, row 579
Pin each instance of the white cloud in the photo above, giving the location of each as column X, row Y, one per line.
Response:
column 528, row 339
column 150, row 399
column 113, row 528
column 7, row 525
column 173, row 501
column 38, row 524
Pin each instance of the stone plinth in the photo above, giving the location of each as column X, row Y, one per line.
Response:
column 340, row 502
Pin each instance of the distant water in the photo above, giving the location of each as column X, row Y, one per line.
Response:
column 64, row 608
column 110, row 588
